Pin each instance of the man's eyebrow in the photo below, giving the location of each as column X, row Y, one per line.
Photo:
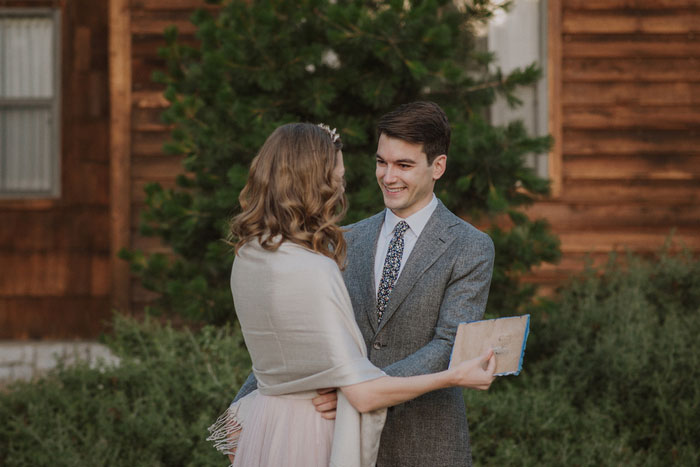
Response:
column 400, row 161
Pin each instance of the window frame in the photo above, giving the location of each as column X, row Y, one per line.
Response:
column 537, row 96
column 53, row 104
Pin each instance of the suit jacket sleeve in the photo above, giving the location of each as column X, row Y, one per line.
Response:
column 250, row 385
column 464, row 300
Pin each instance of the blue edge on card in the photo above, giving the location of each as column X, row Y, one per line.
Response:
column 522, row 352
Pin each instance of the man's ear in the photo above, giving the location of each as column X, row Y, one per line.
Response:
column 439, row 166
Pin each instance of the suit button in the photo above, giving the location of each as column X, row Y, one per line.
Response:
column 376, row 346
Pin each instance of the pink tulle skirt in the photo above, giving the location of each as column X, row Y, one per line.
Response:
column 284, row 431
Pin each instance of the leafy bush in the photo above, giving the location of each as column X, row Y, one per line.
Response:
column 611, row 378
column 611, row 375
column 152, row 410
column 259, row 64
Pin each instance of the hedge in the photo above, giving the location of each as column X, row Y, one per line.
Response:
column 611, row 378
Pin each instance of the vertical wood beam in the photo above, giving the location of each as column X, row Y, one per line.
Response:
column 120, row 148
column 554, row 78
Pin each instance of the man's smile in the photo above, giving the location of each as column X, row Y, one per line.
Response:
column 395, row 189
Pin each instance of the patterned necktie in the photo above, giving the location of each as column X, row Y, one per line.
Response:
column 390, row 271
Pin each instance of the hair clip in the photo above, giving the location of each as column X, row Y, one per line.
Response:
column 332, row 133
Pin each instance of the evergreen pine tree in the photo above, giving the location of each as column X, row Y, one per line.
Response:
column 263, row 63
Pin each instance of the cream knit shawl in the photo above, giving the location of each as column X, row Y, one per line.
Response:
column 301, row 333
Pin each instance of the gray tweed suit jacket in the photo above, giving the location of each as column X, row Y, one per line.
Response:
column 445, row 281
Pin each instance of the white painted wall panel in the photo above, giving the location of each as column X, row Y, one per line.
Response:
column 518, row 38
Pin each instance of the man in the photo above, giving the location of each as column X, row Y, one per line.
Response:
column 443, row 279
column 414, row 272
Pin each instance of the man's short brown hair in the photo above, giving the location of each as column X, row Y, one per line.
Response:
column 420, row 122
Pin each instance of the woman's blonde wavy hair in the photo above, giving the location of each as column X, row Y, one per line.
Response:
column 293, row 194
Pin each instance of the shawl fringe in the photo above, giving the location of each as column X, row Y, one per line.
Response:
column 226, row 431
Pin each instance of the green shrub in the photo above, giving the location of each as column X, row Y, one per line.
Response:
column 152, row 410
column 611, row 378
column 611, row 375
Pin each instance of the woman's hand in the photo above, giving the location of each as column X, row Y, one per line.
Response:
column 390, row 390
column 477, row 373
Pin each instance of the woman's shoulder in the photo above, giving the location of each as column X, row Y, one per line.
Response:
column 307, row 256
column 289, row 267
column 286, row 253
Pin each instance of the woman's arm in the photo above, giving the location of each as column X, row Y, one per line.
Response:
column 476, row 373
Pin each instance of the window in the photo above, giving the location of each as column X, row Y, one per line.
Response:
column 518, row 38
column 29, row 103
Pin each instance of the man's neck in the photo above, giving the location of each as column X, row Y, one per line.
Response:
column 423, row 206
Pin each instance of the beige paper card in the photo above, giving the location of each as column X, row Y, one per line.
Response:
column 506, row 336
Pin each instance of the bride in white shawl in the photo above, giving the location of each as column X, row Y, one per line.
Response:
column 297, row 318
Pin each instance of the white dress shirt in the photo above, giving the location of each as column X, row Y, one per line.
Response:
column 416, row 223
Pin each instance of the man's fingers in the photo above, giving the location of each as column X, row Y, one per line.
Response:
column 326, row 406
column 324, row 399
column 325, row 390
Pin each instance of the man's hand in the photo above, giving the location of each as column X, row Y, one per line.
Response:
column 326, row 402
column 233, row 437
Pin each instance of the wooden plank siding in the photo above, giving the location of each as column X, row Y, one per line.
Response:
column 149, row 19
column 624, row 107
column 120, row 150
column 628, row 119
column 54, row 252
column 624, row 79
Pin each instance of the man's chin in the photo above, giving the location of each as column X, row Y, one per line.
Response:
column 395, row 199
column 393, row 204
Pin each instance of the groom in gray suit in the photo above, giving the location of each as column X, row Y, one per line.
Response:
column 414, row 272
column 409, row 294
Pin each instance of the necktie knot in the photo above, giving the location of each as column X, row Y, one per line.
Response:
column 400, row 229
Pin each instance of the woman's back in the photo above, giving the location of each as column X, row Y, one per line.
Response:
column 298, row 325
column 296, row 316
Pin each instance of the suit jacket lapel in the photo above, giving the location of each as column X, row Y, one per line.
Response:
column 431, row 244
column 366, row 267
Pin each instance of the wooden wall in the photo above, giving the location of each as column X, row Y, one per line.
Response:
column 624, row 94
column 624, row 80
column 54, row 253
column 149, row 19
column 625, row 109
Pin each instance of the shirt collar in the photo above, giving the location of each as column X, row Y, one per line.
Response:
column 416, row 221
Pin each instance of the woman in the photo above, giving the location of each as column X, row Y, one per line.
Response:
column 297, row 318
